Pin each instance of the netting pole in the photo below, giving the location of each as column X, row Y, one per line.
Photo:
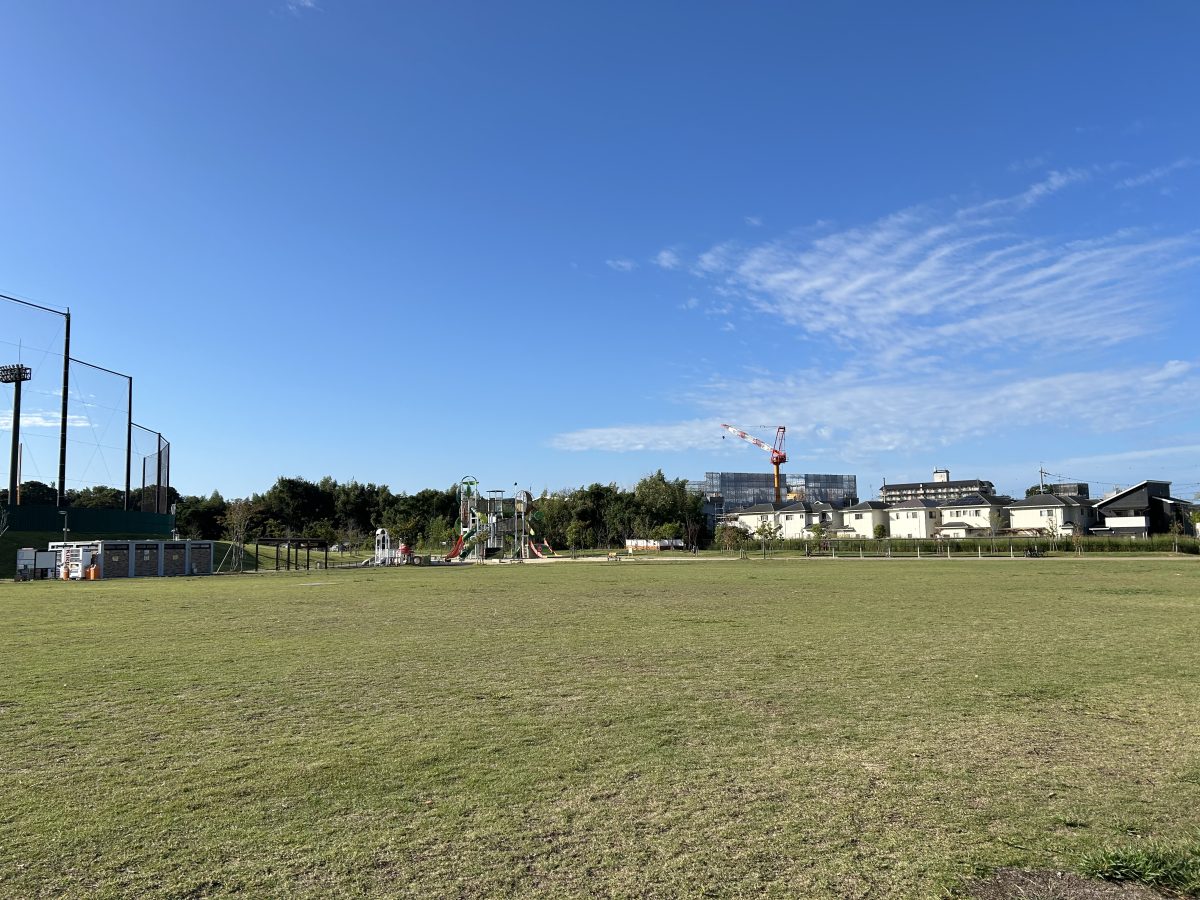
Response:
column 62, row 434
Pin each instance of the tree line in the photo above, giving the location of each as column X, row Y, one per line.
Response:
column 598, row 515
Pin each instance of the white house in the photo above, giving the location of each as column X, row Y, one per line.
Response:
column 918, row 518
column 793, row 519
column 861, row 519
column 831, row 514
column 974, row 515
column 1050, row 514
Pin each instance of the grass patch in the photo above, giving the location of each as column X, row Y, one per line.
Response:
column 705, row 728
column 1174, row 866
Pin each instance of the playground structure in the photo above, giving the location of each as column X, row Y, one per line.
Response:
column 489, row 527
column 497, row 527
column 399, row 555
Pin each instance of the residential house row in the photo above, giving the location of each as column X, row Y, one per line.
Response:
column 1139, row 511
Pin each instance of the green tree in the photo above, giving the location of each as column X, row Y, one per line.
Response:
column 96, row 497
column 767, row 533
column 881, row 531
column 295, row 503
column 730, row 537
column 668, row 531
column 578, row 535
column 201, row 517
column 551, row 519
column 33, row 493
column 620, row 518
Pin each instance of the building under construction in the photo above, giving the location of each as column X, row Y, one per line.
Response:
column 727, row 492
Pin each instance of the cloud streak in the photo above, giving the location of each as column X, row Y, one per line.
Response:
column 42, row 420
column 936, row 324
column 858, row 415
column 1158, row 173
column 922, row 281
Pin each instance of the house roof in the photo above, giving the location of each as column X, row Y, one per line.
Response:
column 1129, row 490
column 977, row 499
column 870, row 504
column 916, row 503
column 760, row 508
column 1039, row 501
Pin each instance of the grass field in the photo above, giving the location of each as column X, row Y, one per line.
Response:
column 807, row 728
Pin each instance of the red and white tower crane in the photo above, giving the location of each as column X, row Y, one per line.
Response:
column 778, row 456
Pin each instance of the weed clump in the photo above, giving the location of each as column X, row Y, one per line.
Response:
column 1175, row 867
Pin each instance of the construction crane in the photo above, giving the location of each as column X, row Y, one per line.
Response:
column 778, row 457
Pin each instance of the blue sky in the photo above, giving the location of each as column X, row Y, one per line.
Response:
column 553, row 244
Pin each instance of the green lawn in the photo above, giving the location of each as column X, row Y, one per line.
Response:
column 811, row 728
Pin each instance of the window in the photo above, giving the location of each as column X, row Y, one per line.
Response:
column 858, row 515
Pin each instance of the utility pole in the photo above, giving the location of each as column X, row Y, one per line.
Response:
column 1042, row 473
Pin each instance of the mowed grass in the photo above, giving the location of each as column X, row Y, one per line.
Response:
column 807, row 728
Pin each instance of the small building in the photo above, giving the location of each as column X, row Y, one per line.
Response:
column 632, row 544
column 916, row 518
column 135, row 559
column 1071, row 489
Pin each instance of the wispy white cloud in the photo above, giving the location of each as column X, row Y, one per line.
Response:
column 620, row 438
column 42, row 420
column 1025, row 165
column 924, row 280
column 668, row 259
column 299, row 6
column 621, row 265
column 936, row 324
column 1054, row 182
column 1187, row 451
column 1158, row 173
column 754, row 221
column 852, row 412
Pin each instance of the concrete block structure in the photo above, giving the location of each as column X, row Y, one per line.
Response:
column 135, row 559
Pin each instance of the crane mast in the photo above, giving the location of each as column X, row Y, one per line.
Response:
column 778, row 456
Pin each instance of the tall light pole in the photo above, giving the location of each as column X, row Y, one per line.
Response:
column 63, row 513
column 66, row 384
column 15, row 375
